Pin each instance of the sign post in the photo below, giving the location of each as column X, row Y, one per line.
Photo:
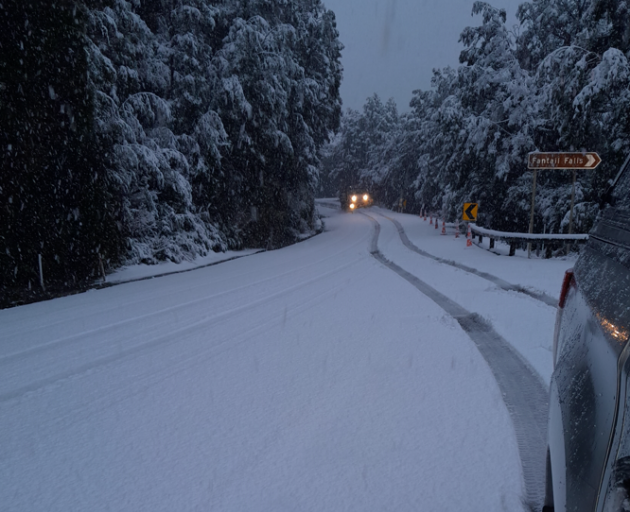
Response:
column 531, row 215
column 469, row 214
column 572, row 161
column 572, row 201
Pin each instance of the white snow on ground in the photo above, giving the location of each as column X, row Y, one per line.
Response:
column 135, row 272
column 537, row 273
column 523, row 321
column 308, row 378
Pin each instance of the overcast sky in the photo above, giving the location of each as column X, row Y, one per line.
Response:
column 391, row 46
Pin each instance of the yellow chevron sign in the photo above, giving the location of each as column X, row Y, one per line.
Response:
column 470, row 212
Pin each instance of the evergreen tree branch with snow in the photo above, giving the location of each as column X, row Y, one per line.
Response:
column 173, row 129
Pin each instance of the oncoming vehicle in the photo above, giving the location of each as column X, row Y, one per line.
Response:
column 588, row 458
column 356, row 198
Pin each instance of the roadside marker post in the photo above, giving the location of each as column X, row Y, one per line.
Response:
column 469, row 215
column 41, row 272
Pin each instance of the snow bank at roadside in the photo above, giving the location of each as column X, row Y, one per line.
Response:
column 536, row 274
column 136, row 272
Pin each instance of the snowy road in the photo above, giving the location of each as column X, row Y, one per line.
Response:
column 309, row 378
column 524, row 392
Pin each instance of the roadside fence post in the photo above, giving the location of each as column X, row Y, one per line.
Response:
column 41, row 272
column 100, row 265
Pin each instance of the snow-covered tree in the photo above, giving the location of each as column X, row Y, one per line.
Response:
column 278, row 97
column 185, row 126
column 555, row 84
column 53, row 187
column 363, row 152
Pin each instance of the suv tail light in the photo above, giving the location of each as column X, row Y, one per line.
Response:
column 566, row 284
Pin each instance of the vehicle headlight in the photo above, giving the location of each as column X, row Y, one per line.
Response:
column 354, row 198
column 365, row 197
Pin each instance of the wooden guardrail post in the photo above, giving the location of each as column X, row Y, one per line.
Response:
column 101, row 268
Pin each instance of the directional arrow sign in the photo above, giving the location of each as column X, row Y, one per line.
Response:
column 470, row 212
column 563, row 160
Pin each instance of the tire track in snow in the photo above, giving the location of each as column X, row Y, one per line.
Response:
column 540, row 296
column 164, row 338
column 524, row 393
column 187, row 290
column 143, row 382
column 77, row 338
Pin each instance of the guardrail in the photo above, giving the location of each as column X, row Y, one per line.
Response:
column 515, row 239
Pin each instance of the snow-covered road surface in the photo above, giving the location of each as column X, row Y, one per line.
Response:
column 524, row 392
column 309, row 378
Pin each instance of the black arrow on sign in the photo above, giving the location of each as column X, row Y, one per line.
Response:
column 470, row 211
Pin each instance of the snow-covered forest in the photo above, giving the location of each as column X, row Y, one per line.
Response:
column 134, row 131
column 559, row 81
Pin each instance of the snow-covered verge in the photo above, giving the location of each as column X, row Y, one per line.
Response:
column 307, row 378
column 135, row 272
column 524, row 321
column 524, row 393
column 129, row 273
column 536, row 273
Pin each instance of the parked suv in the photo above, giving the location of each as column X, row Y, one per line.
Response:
column 588, row 460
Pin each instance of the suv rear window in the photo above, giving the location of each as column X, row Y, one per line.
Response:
column 611, row 234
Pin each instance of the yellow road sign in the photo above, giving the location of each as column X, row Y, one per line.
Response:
column 470, row 212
